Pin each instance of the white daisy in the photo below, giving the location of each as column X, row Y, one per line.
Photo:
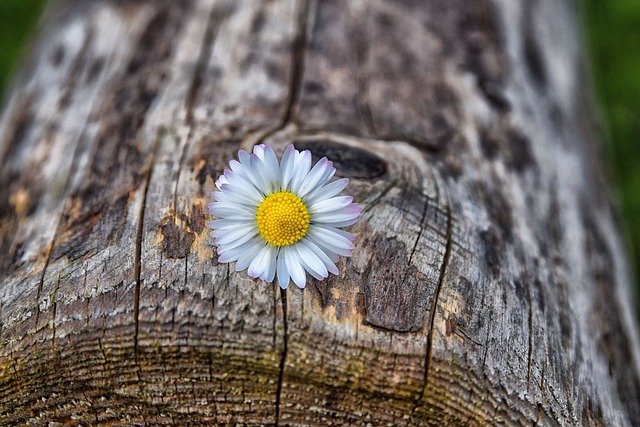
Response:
column 282, row 218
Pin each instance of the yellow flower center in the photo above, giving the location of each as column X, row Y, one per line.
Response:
column 282, row 218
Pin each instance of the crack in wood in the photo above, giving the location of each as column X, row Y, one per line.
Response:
column 422, row 227
column 527, row 283
column 183, row 155
column 377, row 198
column 139, row 233
column 44, row 270
column 104, row 355
column 196, row 81
column 364, row 110
column 275, row 318
column 283, row 358
column 67, row 190
column 565, row 308
column 297, row 63
column 542, row 399
column 201, row 64
column 297, row 70
column 434, row 305
column 86, row 298
column 486, row 342
column 53, row 314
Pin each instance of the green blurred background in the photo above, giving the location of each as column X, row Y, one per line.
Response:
column 612, row 29
column 18, row 18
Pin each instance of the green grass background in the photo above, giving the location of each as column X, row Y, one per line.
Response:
column 612, row 29
column 18, row 19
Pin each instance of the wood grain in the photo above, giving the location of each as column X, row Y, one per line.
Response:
column 488, row 286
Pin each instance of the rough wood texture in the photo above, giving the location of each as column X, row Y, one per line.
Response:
column 488, row 284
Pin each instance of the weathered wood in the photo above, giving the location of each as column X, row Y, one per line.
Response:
column 488, row 285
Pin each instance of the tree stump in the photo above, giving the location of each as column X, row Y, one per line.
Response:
column 488, row 286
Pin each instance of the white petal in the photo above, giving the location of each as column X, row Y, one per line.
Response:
column 227, row 210
column 233, row 228
column 258, row 150
column 270, row 272
column 343, row 233
column 338, row 218
column 326, row 238
column 245, row 259
column 242, row 191
column 301, row 167
column 327, row 191
column 244, row 178
column 265, row 166
column 236, row 237
column 218, row 196
column 311, row 262
column 319, row 174
column 248, row 172
column 286, row 167
column 293, row 265
column 230, row 255
column 334, row 257
column 283, row 271
column 234, row 199
column 239, row 247
column 260, row 264
column 273, row 167
column 330, row 205
column 235, row 166
column 223, row 223
column 244, row 158
column 221, row 180
column 262, row 175
column 322, row 256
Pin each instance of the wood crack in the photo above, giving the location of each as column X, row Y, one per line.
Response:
column 196, row 82
column 363, row 107
column 139, row 233
column 201, row 65
column 530, row 325
column 377, row 198
column 53, row 314
column 434, row 305
column 422, row 227
column 297, row 63
column 178, row 173
column 540, row 404
column 283, row 358
column 73, row 168
column 486, row 342
column 44, row 270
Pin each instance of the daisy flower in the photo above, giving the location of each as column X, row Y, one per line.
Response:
column 281, row 218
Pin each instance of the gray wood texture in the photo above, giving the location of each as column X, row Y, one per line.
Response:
column 488, row 286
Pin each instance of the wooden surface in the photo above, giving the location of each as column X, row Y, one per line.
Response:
column 488, row 284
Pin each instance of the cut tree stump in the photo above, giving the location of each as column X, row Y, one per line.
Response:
column 488, row 286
